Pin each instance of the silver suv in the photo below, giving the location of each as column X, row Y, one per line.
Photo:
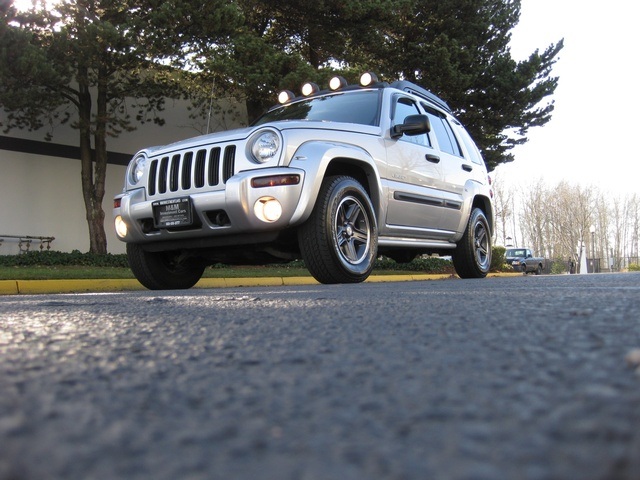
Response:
column 335, row 177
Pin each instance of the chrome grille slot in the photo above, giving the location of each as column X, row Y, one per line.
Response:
column 229, row 162
column 198, row 175
column 162, row 177
column 186, row 170
column 214, row 166
column 153, row 173
column 173, row 176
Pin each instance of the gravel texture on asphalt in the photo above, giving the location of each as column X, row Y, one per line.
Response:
column 502, row 378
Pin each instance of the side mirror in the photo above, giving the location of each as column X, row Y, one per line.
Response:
column 413, row 125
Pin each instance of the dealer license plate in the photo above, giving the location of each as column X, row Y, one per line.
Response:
column 175, row 212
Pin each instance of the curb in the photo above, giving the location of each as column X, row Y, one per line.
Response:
column 34, row 287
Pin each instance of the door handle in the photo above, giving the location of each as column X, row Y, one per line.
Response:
column 467, row 168
column 432, row 158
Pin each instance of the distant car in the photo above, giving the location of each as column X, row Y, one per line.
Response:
column 335, row 177
column 523, row 260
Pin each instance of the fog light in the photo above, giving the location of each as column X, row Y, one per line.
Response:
column 121, row 227
column 268, row 209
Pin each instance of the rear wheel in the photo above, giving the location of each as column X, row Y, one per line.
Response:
column 339, row 241
column 472, row 256
column 163, row 270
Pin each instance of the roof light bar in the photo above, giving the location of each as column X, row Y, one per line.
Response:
column 336, row 83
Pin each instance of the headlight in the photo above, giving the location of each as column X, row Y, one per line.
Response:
column 265, row 146
column 137, row 169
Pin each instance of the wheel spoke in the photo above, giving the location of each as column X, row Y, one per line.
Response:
column 349, row 250
column 361, row 236
column 353, row 212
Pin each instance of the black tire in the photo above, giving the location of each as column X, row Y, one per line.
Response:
column 339, row 241
column 472, row 256
column 539, row 270
column 163, row 270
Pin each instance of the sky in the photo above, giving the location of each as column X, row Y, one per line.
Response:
column 591, row 138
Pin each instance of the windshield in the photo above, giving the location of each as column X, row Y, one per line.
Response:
column 515, row 253
column 361, row 107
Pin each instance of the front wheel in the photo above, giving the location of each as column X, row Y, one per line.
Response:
column 472, row 256
column 163, row 270
column 339, row 241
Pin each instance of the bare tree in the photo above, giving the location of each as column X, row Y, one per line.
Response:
column 534, row 217
column 556, row 221
column 504, row 211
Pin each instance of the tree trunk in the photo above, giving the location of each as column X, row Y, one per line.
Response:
column 93, row 177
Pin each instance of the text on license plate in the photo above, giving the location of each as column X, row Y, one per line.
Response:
column 175, row 212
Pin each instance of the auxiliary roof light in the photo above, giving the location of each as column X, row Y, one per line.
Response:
column 368, row 78
column 310, row 88
column 285, row 96
column 336, row 83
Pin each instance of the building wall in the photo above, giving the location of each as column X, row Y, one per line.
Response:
column 40, row 185
column 42, row 196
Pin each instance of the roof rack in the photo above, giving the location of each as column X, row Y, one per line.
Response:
column 409, row 87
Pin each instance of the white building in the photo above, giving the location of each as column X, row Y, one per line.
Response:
column 40, row 185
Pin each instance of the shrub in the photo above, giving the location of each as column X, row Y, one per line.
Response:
column 634, row 267
column 559, row 266
column 498, row 259
column 419, row 264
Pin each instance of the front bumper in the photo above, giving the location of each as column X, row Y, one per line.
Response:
column 518, row 266
column 223, row 212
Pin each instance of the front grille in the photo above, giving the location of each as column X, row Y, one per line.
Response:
column 179, row 172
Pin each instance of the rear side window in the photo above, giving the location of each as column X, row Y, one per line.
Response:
column 474, row 153
column 444, row 134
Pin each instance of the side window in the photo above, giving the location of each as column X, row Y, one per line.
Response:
column 444, row 134
column 402, row 109
column 474, row 153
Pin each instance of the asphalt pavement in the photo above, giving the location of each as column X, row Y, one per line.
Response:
column 502, row 378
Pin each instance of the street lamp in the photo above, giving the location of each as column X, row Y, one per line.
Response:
column 592, row 229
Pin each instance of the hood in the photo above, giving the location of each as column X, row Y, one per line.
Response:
column 217, row 137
